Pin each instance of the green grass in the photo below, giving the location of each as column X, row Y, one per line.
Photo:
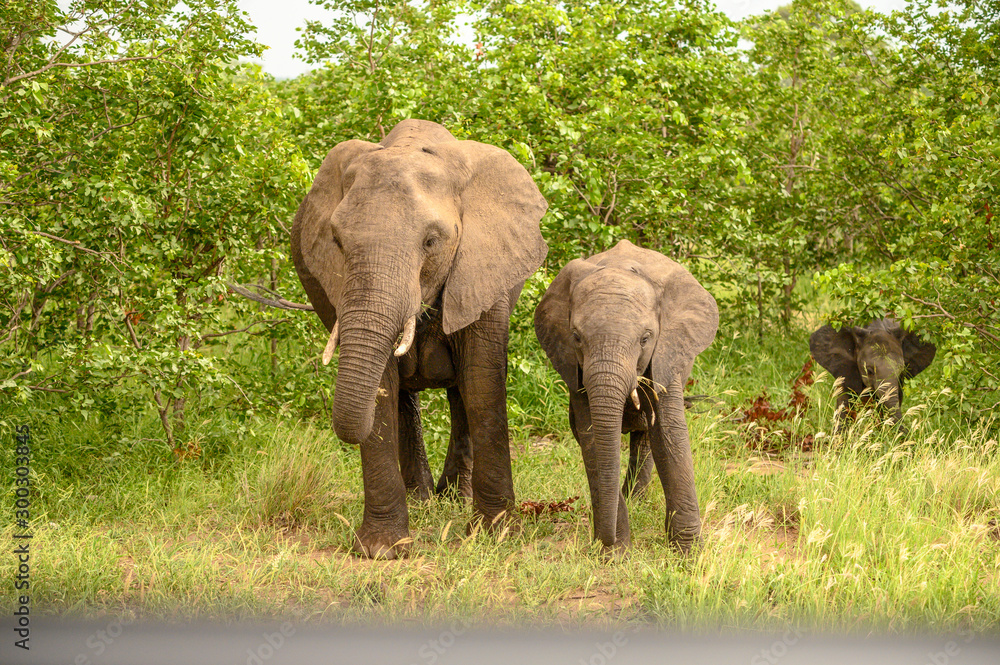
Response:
column 869, row 530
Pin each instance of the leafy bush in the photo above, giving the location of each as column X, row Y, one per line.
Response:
column 140, row 170
column 837, row 164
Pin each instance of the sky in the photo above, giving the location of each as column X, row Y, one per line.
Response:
column 276, row 24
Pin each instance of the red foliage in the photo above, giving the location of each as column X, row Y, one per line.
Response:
column 761, row 410
column 763, row 413
column 547, row 507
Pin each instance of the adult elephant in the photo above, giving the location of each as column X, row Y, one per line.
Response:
column 413, row 252
column 873, row 361
column 607, row 323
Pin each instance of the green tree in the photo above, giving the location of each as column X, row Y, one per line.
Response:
column 626, row 113
column 138, row 168
column 922, row 148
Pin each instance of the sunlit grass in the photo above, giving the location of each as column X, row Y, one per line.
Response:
column 872, row 529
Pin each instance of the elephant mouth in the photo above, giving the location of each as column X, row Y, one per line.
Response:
column 403, row 342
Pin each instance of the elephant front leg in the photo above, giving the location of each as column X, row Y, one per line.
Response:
column 482, row 382
column 384, row 532
column 412, row 454
column 456, row 477
column 582, row 428
column 671, row 449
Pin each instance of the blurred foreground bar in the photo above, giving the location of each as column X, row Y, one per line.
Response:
column 111, row 642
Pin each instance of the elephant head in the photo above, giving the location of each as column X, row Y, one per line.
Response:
column 605, row 322
column 419, row 220
column 877, row 358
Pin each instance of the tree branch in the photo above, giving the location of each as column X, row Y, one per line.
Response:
column 277, row 301
column 948, row 315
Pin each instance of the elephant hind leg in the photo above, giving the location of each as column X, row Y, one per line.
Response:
column 412, row 454
column 640, row 466
column 456, row 477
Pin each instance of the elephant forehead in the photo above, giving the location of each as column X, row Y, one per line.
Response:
column 403, row 172
column 881, row 345
column 619, row 292
column 396, row 191
column 618, row 262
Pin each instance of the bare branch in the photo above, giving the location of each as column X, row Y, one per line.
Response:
column 277, row 301
column 371, row 40
column 951, row 317
column 92, row 63
column 20, row 374
column 595, row 213
column 75, row 244
column 131, row 333
column 613, row 185
column 52, row 63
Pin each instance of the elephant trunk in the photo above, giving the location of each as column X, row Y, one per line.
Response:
column 888, row 394
column 607, row 389
column 364, row 354
column 370, row 319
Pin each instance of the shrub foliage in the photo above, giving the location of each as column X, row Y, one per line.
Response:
column 816, row 163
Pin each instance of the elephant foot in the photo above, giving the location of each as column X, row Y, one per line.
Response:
column 684, row 539
column 386, row 544
column 495, row 525
column 455, row 486
column 420, row 492
column 617, row 552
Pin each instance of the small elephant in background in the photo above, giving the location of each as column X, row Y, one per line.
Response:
column 873, row 361
column 622, row 328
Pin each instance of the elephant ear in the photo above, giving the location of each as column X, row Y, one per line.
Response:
column 552, row 321
column 917, row 353
column 689, row 315
column 501, row 244
column 317, row 262
column 836, row 351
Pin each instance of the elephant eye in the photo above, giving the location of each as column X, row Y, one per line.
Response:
column 645, row 338
column 576, row 336
column 430, row 242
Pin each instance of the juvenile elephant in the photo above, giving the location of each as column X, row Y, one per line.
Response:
column 874, row 360
column 622, row 328
column 413, row 252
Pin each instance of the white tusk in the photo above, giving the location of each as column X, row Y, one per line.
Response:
column 635, row 398
column 332, row 343
column 408, row 330
column 652, row 417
